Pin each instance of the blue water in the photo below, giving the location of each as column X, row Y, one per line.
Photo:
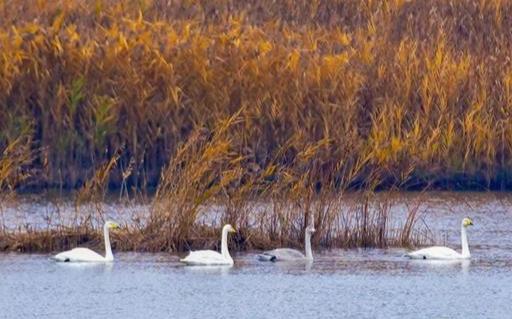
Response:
column 339, row 284
column 369, row 283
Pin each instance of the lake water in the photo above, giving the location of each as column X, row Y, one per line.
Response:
column 370, row 283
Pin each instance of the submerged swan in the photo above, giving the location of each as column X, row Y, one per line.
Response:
column 287, row 254
column 210, row 257
column 445, row 253
column 87, row 255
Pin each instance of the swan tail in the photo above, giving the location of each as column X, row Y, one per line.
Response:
column 410, row 255
column 415, row 255
column 59, row 257
column 266, row 257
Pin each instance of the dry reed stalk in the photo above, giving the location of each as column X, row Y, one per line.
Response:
column 229, row 102
column 425, row 100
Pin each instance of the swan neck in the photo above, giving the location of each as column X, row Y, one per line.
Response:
column 108, row 249
column 464, row 240
column 224, row 244
column 307, row 245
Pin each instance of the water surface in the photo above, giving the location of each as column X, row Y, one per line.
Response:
column 369, row 283
column 353, row 283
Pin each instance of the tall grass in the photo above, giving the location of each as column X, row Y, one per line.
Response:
column 417, row 89
column 229, row 103
column 204, row 186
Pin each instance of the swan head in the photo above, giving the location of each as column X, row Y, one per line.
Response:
column 310, row 229
column 466, row 222
column 229, row 228
column 112, row 225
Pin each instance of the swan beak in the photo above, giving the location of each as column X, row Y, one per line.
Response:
column 467, row 222
column 232, row 230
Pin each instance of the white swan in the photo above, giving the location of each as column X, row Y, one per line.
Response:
column 445, row 253
column 287, row 254
column 87, row 255
column 210, row 257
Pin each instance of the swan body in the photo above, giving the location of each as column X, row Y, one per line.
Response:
column 445, row 253
column 210, row 257
column 281, row 254
column 436, row 252
column 87, row 255
column 288, row 254
column 206, row 257
column 80, row 254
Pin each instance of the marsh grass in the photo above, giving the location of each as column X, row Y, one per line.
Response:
column 194, row 199
column 225, row 103
column 409, row 87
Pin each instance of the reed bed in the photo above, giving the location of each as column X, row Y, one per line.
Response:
column 228, row 103
column 419, row 90
column 269, row 225
column 194, row 200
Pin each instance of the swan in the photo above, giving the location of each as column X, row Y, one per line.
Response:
column 210, row 257
column 445, row 253
column 87, row 255
column 287, row 254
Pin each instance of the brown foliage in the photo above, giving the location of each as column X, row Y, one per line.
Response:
column 418, row 89
column 231, row 102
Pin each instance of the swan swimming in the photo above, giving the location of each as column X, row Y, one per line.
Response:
column 445, row 253
column 87, row 255
column 287, row 254
column 210, row 257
